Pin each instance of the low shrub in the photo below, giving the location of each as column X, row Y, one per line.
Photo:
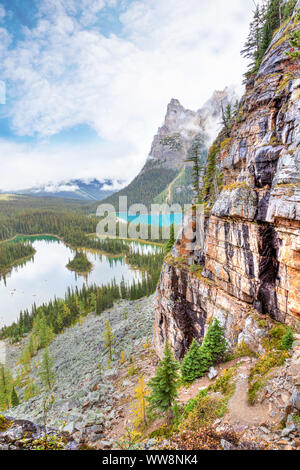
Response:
column 265, row 363
column 243, row 350
column 4, row 423
column 204, row 412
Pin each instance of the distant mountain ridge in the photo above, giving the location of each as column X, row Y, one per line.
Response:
column 166, row 177
column 89, row 190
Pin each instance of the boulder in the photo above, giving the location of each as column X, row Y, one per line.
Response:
column 213, row 373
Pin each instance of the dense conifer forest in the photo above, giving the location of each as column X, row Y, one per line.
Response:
column 10, row 253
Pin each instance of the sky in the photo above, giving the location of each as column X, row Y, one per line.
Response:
column 85, row 83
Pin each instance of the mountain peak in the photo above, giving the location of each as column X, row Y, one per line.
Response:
column 175, row 102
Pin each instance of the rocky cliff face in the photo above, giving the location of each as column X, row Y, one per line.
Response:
column 250, row 256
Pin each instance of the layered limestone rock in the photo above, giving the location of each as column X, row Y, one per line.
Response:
column 250, row 254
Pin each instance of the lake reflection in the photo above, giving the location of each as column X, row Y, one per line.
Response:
column 46, row 276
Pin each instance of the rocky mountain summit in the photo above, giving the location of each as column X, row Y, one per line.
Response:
column 166, row 177
column 171, row 144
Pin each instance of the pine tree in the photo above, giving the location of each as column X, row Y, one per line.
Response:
column 15, row 401
column 253, row 42
column 214, row 342
column 196, row 151
column 227, row 117
column 169, row 245
column 165, row 383
column 271, row 23
column 190, row 366
column 43, row 331
column 196, row 362
column 46, row 372
column 209, row 191
column 288, row 340
column 205, row 360
column 109, row 341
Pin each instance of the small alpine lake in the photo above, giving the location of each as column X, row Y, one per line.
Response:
column 45, row 276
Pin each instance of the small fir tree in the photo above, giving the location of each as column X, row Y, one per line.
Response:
column 169, row 245
column 205, row 360
column 287, row 340
column 191, row 367
column 46, row 372
column 214, row 342
column 43, row 331
column 196, row 153
column 109, row 341
column 15, row 401
column 165, row 384
column 196, row 362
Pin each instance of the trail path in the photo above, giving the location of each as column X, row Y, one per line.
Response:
column 240, row 412
column 169, row 189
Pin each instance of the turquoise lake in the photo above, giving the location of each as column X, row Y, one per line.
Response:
column 162, row 220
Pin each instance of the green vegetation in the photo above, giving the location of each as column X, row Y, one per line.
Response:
column 287, row 340
column 173, row 141
column 211, row 180
column 36, row 222
column 195, row 364
column 197, row 156
column 243, row 350
column 14, row 253
column 268, row 17
column 199, row 359
column 109, row 341
column 80, row 263
column 179, row 191
column 143, row 190
column 113, row 246
column 204, row 411
column 225, row 384
column 227, row 120
column 294, row 53
column 214, row 342
column 15, row 401
column 49, row 442
column 275, row 356
column 4, row 423
column 165, row 384
column 46, row 370
column 49, row 319
column 6, row 386
column 169, row 245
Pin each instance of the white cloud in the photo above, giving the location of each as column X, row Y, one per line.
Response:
column 27, row 165
column 59, row 188
column 66, row 72
column 2, row 12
